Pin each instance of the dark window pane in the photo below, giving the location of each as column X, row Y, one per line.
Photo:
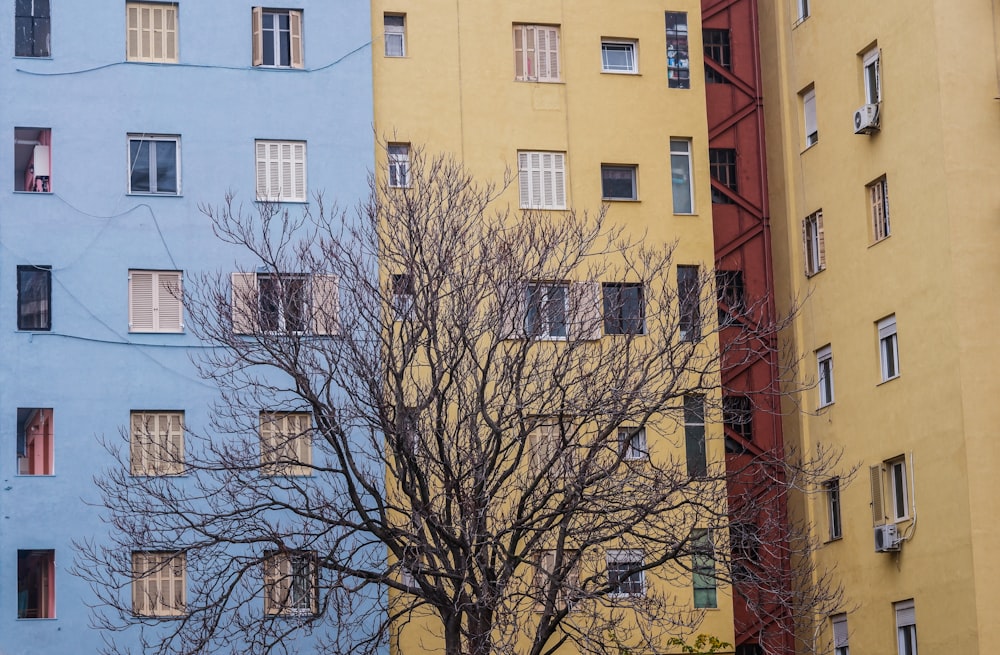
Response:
column 618, row 182
column 623, row 309
column 689, row 297
column 139, row 165
column 34, row 286
column 166, row 167
column 737, row 415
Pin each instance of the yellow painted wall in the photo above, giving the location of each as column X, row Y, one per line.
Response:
column 455, row 91
column 938, row 149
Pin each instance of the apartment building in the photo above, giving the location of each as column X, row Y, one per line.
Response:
column 122, row 119
column 882, row 128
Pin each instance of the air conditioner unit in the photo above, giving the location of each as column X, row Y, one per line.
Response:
column 886, row 538
column 41, row 161
column 866, row 119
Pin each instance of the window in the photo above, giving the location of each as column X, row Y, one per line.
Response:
column 898, row 495
column 680, row 176
column 888, row 348
column 703, row 569
column 547, row 306
column 154, row 164
column 550, row 449
column 394, row 35
column 35, row 441
column 34, row 297
column 541, row 178
column 402, row 296
column 618, row 182
column 281, row 171
column 159, row 582
column 291, row 583
column 689, row 299
column 277, row 38
column 151, row 32
column 626, row 576
column 36, row 584
column 32, row 29
column 155, row 301
column 694, row 435
column 906, row 627
column 878, row 199
column 839, row 624
column 399, row 164
column 737, row 416
column 717, row 49
column 803, row 6
column 809, row 117
column 824, row 367
column 286, row 443
column 871, row 63
column 722, row 166
column 624, row 308
column 291, row 303
column 678, row 75
column 832, row 488
column 814, row 243
column 731, row 292
column 744, row 540
column 618, row 56
column 157, row 443
column 546, row 576
column 632, row 442
column 536, row 53
column 33, row 159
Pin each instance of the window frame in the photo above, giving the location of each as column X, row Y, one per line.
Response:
column 888, row 347
column 731, row 294
column 803, row 10
column 534, row 56
column 838, row 626
column 695, row 451
column 291, row 579
column 632, row 443
column 270, row 170
column 162, row 296
column 878, row 206
column 689, row 319
column 678, row 59
column 681, row 175
column 824, row 376
column 717, row 45
column 45, row 587
column 833, row 509
column 614, row 306
column 722, row 167
column 398, row 33
column 809, row 117
column 166, row 568
column 906, row 627
column 541, row 179
column 628, row 46
column 398, row 157
column 36, row 23
column 899, row 489
column 158, row 451
column 737, row 415
column 871, row 72
column 45, row 313
column 153, row 170
column 621, row 561
column 320, row 311
column 280, row 442
column 166, row 35
column 403, row 296
column 550, row 449
column 296, row 51
column 32, row 159
column 632, row 170
column 814, row 243
column 35, row 451
column 551, row 328
column 703, row 570
column 544, row 562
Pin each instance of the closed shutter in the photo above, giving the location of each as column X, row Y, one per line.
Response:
column 548, row 54
column 140, row 301
column 170, row 430
column 139, row 445
column 559, row 180
column 151, row 32
column 300, row 425
column 244, row 303
column 159, row 582
column 263, row 157
column 821, row 242
column 277, row 582
column 298, row 188
column 132, row 36
column 257, row 37
column 170, row 306
column 325, row 305
column 905, row 614
column 840, row 634
column 878, row 508
column 169, row 32
column 519, row 52
column 535, row 181
column 511, row 309
column 297, row 54
column 524, row 179
column 586, row 316
column 809, row 112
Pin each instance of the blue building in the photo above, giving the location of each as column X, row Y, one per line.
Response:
column 122, row 118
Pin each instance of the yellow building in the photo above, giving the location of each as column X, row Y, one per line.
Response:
column 882, row 135
column 579, row 102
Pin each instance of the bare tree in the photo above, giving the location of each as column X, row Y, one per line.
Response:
column 438, row 416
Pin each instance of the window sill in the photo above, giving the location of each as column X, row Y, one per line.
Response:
column 882, row 240
column 546, row 209
column 35, row 193
column 620, row 200
column 34, row 475
column 887, row 381
column 278, row 201
column 691, row 214
column 539, row 81
column 809, row 147
column 177, row 332
column 37, row 618
column 34, row 330
column 151, row 61
column 799, row 21
column 30, row 58
column 825, row 405
column 301, row 69
column 815, row 273
column 142, row 194
column 631, row 73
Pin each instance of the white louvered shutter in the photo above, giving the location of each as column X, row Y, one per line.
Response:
column 559, row 180
column 299, row 171
column 524, row 179
column 169, row 308
column 586, row 311
column 325, row 305
column 519, row 52
column 295, row 23
column 548, row 54
column 878, row 508
column 821, row 243
column 244, row 303
column 140, row 301
column 535, row 166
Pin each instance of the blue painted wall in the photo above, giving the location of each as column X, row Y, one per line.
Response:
column 89, row 368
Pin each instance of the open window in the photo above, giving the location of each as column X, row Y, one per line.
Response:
column 34, row 441
column 36, row 584
column 284, row 303
column 33, row 159
column 291, row 583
